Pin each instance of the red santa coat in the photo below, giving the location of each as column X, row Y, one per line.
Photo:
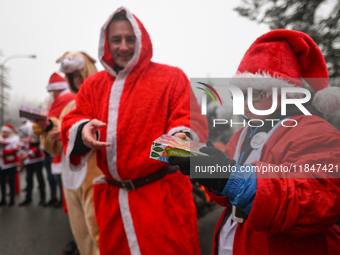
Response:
column 143, row 102
column 35, row 154
column 8, row 152
column 292, row 215
column 55, row 110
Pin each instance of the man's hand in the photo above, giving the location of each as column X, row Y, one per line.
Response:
column 42, row 123
column 89, row 135
column 55, row 134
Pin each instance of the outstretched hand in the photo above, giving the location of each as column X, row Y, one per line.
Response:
column 89, row 135
column 43, row 124
column 55, row 134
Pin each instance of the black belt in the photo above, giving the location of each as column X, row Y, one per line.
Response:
column 139, row 182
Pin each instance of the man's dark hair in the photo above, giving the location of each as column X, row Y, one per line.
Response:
column 72, row 85
column 119, row 16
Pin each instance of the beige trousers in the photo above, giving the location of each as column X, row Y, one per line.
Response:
column 81, row 212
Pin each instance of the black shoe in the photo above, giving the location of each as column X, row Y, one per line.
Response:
column 58, row 204
column 25, row 202
column 76, row 252
column 70, row 248
column 51, row 202
column 42, row 202
column 11, row 202
column 3, row 201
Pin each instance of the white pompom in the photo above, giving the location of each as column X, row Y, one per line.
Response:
column 327, row 100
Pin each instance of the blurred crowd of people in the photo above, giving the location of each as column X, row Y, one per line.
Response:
column 21, row 151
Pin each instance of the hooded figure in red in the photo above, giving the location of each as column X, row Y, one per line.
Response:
column 282, row 195
column 138, row 100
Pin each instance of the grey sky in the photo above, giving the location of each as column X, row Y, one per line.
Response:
column 203, row 38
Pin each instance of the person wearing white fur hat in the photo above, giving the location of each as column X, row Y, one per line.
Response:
column 8, row 161
column 282, row 194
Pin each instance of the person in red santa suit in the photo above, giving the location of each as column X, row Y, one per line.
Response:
column 291, row 210
column 33, row 157
column 143, row 206
column 62, row 96
column 9, row 161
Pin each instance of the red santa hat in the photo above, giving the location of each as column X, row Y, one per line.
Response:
column 56, row 82
column 286, row 57
column 8, row 128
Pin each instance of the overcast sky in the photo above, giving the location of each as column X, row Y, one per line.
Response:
column 202, row 38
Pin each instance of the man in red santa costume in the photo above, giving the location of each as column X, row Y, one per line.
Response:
column 142, row 206
column 33, row 157
column 291, row 210
column 62, row 96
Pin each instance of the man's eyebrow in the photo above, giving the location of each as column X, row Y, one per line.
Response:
column 119, row 36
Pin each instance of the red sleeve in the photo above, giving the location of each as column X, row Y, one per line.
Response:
column 35, row 150
column 9, row 152
column 184, row 109
column 69, row 126
column 298, row 203
column 59, row 103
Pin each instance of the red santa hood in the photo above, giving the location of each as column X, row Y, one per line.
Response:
column 143, row 50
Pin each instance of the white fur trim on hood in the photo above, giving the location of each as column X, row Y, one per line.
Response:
column 57, row 86
column 138, row 46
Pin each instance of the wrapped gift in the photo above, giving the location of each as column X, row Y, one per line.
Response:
column 32, row 113
column 166, row 145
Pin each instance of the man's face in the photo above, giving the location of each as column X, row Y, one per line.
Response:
column 5, row 134
column 262, row 103
column 122, row 40
column 77, row 79
column 56, row 93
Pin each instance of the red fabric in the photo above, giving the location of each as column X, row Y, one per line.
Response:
column 115, row 242
column 9, row 152
column 38, row 154
column 56, row 108
column 10, row 127
column 10, row 157
column 56, row 159
column 59, row 103
column 64, row 203
column 293, row 215
column 287, row 54
column 56, row 78
column 154, row 100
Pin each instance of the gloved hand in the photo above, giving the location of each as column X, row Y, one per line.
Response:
column 215, row 157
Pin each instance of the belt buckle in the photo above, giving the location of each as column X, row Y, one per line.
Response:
column 128, row 185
